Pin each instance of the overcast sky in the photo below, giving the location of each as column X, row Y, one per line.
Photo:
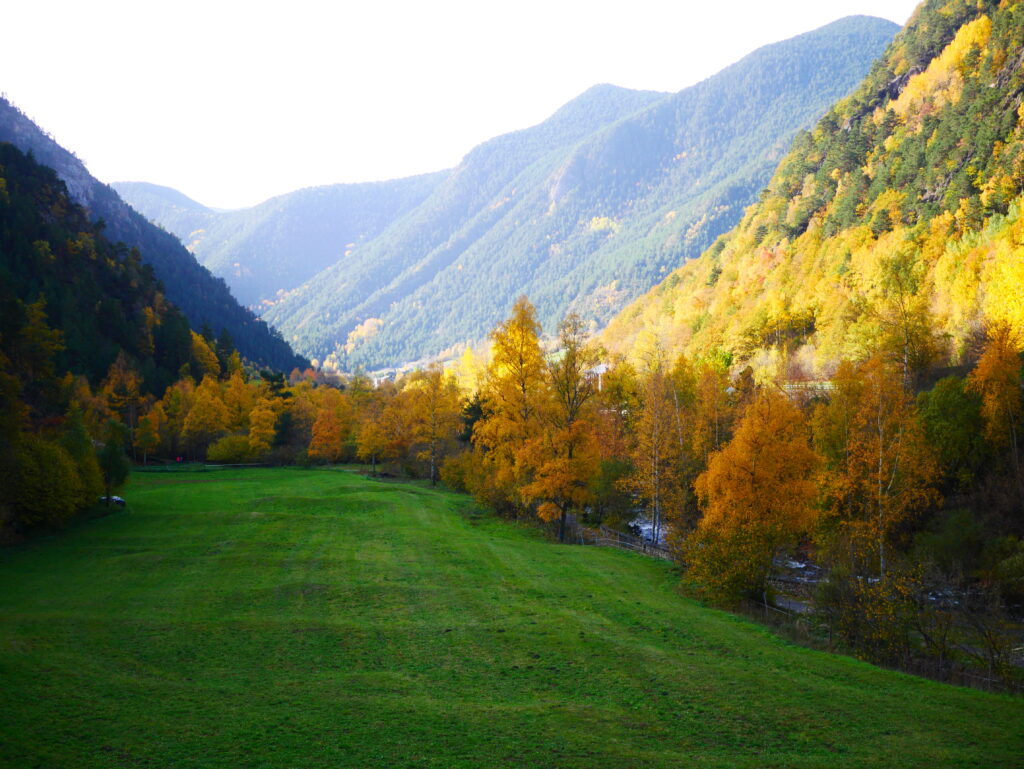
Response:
column 232, row 103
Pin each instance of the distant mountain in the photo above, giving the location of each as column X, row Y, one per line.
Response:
column 276, row 246
column 585, row 211
column 203, row 298
column 896, row 223
column 174, row 211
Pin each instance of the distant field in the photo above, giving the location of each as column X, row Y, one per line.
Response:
column 312, row 618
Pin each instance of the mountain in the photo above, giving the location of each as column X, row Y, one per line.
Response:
column 205, row 300
column 172, row 210
column 584, row 211
column 276, row 246
column 99, row 296
column 897, row 221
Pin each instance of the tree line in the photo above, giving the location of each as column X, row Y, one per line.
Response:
column 898, row 490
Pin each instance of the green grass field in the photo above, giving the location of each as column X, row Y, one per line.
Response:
column 313, row 618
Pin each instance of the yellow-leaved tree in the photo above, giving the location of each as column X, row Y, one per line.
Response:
column 562, row 453
column 657, row 451
column 513, row 395
column 435, row 408
column 882, row 472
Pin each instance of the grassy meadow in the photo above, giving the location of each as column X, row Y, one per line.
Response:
column 314, row 618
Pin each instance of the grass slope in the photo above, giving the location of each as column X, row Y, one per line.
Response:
column 287, row 618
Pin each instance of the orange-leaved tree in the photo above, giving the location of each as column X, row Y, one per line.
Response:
column 758, row 497
column 997, row 379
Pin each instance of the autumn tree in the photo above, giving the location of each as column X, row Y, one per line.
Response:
column 262, row 421
column 881, row 470
column 714, row 411
column 435, row 406
column 907, row 336
column 147, row 434
column 207, row 418
column 122, row 389
column 204, row 359
column 997, row 379
column 657, row 451
column 331, row 428
column 561, row 453
column 513, row 394
column 757, row 495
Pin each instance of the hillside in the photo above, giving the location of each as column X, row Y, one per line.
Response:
column 203, row 298
column 174, row 211
column 99, row 296
column 586, row 210
column 276, row 246
column 897, row 220
column 318, row 619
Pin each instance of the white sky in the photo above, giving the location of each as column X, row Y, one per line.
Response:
column 232, row 103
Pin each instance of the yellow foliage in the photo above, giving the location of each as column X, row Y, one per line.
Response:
column 941, row 83
column 362, row 332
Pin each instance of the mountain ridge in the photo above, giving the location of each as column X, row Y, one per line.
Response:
column 203, row 298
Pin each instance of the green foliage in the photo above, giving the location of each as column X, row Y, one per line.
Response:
column 46, row 488
column 113, row 461
column 280, row 244
column 113, row 302
column 953, row 425
column 231, row 449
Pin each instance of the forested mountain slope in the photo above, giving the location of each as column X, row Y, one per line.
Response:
column 277, row 245
column 174, row 211
column 203, row 298
column 584, row 211
column 57, row 268
column 896, row 220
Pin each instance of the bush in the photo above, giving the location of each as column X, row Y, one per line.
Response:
column 231, row 449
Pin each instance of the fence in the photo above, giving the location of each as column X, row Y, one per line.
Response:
column 606, row 537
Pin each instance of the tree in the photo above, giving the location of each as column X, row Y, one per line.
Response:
column 326, row 441
column 561, row 453
column 882, row 471
column 204, row 359
column 714, row 412
column 997, row 379
column 262, row 421
column 657, row 451
column 371, row 437
column 113, row 461
column 207, row 419
column 122, row 389
column 435, row 406
column 78, row 444
column 147, row 435
column 513, row 393
column 954, row 428
column 757, row 495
